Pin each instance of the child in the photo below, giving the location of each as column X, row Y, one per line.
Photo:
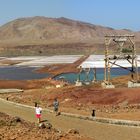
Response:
column 38, row 111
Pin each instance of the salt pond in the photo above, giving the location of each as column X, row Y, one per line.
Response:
column 72, row 77
column 20, row 73
column 25, row 70
column 28, row 73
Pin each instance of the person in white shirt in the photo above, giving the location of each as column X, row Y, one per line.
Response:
column 38, row 111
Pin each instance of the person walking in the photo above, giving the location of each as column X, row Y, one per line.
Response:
column 56, row 106
column 38, row 111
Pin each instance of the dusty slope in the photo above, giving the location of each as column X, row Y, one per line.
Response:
column 42, row 35
column 17, row 129
column 121, row 103
column 42, row 28
column 73, row 96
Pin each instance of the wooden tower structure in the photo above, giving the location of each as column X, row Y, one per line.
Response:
column 124, row 45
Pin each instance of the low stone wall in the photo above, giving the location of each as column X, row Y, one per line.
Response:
column 3, row 91
column 104, row 120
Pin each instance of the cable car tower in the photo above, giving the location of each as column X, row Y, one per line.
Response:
column 124, row 48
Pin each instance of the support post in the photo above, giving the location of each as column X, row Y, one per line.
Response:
column 94, row 74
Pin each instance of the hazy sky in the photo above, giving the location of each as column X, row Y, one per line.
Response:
column 118, row 14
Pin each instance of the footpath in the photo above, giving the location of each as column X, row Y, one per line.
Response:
column 97, row 128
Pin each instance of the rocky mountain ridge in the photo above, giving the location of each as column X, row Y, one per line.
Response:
column 33, row 32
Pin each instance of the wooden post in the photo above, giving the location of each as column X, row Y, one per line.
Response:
column 136, row 66
column 87, row 74
column 94, row 73
column 108, row 79
column 79, row 74
column 106, row 59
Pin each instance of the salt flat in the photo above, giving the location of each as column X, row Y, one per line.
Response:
column 97, row 61
column 24, row 58
column 91, row 62
column 39, row 61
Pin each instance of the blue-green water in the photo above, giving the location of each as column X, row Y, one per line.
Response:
column 20, row 73
column 28, row 73
column 72, row 77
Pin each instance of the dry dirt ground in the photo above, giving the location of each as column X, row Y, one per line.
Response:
column 95, row 130
column 15, row 128
column 119, row 103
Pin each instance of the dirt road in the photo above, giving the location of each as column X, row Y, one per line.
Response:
column 98, row 131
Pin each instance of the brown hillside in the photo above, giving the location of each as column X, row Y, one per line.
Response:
column 35, row 34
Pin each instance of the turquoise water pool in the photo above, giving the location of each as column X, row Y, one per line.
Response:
column 72, row 77
column 28, row 73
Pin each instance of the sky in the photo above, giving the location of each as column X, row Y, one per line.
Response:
column 118, row 14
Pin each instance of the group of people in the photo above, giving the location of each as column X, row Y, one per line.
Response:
column 38, row 109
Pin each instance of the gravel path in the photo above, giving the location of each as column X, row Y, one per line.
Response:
column 98, row 131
